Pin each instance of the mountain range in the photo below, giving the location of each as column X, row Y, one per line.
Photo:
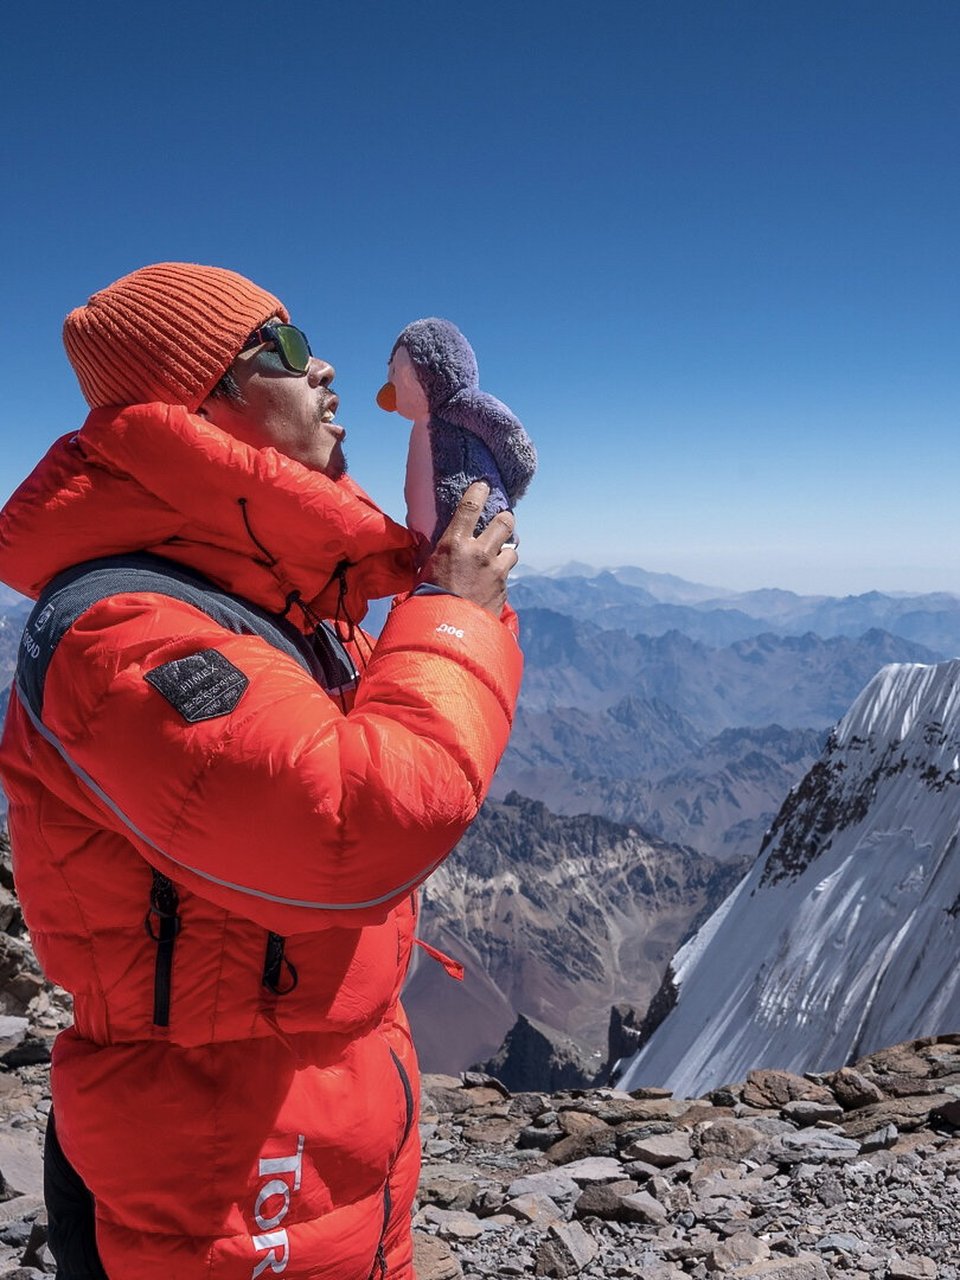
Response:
column 844, row 934
column 699, row 745
column 554, row 917
column 635, row 600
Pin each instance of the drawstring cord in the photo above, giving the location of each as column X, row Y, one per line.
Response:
column 347, row 630
column 269, row 560
column 340, row 614
column 354, row 633
column 314, row 620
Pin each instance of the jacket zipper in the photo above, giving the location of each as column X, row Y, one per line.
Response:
column 380, row 1258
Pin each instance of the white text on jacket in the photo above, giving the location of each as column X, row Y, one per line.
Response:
column 268, row 1212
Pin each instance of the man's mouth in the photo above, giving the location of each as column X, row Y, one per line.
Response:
column 330, row 408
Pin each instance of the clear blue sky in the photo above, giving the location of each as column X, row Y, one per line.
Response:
column 707, row 250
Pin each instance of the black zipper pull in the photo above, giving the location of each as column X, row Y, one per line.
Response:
column 162, row 924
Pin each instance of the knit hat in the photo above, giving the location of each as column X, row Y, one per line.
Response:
column 167, row 332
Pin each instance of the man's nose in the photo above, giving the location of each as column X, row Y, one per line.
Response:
column 319, row 373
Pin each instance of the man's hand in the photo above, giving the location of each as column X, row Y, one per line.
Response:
column 475, row 568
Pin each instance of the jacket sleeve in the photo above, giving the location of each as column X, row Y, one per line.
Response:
column 280, row 807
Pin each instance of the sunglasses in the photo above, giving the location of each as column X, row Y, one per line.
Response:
column 290, row 343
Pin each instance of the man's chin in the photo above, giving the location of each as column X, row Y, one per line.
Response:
column 336, row 468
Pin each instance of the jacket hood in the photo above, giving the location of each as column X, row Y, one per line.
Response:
column 158, row 478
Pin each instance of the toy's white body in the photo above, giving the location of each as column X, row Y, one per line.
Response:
column 418, row 489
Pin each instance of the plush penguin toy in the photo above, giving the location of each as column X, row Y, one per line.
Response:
column 460, row 434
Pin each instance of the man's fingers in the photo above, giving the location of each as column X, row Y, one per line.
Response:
column 469, row 509
column 498, row 531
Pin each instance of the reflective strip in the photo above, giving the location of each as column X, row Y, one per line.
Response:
column 98, row 791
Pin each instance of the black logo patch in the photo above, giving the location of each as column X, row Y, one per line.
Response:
column 200, row 687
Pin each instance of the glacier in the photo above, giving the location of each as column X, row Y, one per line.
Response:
column 843, row 936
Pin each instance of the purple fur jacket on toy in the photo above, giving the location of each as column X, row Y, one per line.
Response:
column 460, row 434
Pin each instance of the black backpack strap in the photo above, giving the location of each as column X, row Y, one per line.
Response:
column 71, row 593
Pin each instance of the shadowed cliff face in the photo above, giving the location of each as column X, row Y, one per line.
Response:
column 556, row 918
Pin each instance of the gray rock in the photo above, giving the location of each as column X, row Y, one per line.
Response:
column 537, row 1209
column 566, row 1251
column 842, row 1242
column 13, row 1031
column 812, row 1146
column 592, row 1169
column 450, row 1186
column 451, row 1224
column 880, row 1139
column 21, row 1165
column 911, row 1267
column 804, row 1267
column 730, row 1139
column 738, row 1251
column 605, row 1200
column 37, row 1252
column 535, row 1138
column 563, row 1191
column 661, row 1150
column 20, row 1208
column 16, row 1234
column 641, row 1206
column 433, row 1260
column 804, row 1112
column 852, row 1089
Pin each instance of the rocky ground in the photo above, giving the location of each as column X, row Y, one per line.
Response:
column 854, row 1174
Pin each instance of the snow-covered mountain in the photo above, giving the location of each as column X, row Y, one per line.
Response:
column 844, row 935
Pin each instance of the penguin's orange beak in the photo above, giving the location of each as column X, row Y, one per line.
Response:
column 387, row 397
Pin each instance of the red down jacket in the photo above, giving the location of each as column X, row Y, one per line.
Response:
column 257, row 1134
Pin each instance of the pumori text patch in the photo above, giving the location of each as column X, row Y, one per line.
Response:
column 201, row 687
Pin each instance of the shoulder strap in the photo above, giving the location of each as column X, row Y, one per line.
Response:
column 71, row 593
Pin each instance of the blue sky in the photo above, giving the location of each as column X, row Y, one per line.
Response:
column 707, row 251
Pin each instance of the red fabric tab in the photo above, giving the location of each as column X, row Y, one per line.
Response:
column 453, row 967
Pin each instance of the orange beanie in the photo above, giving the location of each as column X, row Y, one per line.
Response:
column 167, row 332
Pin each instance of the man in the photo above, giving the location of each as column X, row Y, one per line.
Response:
column 185, row 748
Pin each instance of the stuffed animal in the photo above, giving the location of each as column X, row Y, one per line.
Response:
column 460, row 434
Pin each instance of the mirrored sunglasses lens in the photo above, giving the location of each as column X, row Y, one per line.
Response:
column 294, row 348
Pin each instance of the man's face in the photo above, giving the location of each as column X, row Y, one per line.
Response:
column 290, row 412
